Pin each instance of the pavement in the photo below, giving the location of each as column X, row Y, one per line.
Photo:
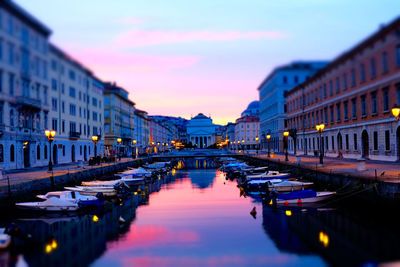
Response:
column 37, row 173
column 377, row 170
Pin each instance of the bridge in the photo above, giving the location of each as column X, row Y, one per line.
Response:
column 194, row 153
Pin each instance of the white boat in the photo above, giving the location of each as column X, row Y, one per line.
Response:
column 5, row 239
column 72, row 196
column 303, row 196
column 258, row 183
column 50, row 204
column 287, row 186
column 133, row 181
column 101, row 183
column 93, row 190
column 268, row 175
column 139, row 171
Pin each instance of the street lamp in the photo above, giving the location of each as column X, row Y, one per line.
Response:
column 136, row 149
column 257, row 144
column 119, row 140
column 396, row 111
column 50, row 135
column 242, row 145
column 268, row 137
column 320, row 128
column 95, row 139
column 286, row 134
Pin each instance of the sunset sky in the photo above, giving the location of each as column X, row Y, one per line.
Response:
column 180, row 57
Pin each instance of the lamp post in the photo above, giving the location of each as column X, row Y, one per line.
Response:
column 396, row 111
column 136, row 149
column 286, row 134
column 320, row 128
column 268, row 137
column 50, row 135
column 257, row 144
column 95, row 139
column 119, row 140
column 243, row 145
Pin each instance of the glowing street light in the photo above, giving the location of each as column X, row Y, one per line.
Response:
column 119, row 140
column 95, row 139
column 396, row 111
column 286, row 134
column 50, row 136
column 268, row 137
column 320, row 128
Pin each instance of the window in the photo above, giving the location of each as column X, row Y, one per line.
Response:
column 72, row 127
column 72, row 109
column 296, row 79
column 397, row 55
column 338, row 112
column 337, row 85
column 326, row 115
column 362, row 73
column 331, row 108
column 71, row 74
column 63, row 150
column 344, row 81
column 354, row 108
column 10, row 53
column 63, row 126
column 375, row 141
column 54, row 104
column 333, row 143
column 373, row 103
column 45, row 152
column 385, row 99
column 46, row 123
column 12, row 153
column 363, row 107
column 325, row 92
column 330, row 88
column 94, row 102
column 10, row 83
column 385, row 67
column 38, row 152
column 72, row 92
column 1, row 153
column 398, row 94
column 355, row 141
column 95, row 117
column 54, row 84
column 346, row 110
column 347, row 141
column 373, row 68
column 11, row 117
column 284, row 79
column 353, row 77
column 54, row 124
column 387, row 140
column 63, row 107
column 45, row 94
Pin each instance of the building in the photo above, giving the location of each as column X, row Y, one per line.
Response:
column 24, row 88
column 177, row 125
column 118, row 120
column 247, row 129
column 272, row 100
column 353, row 97
column 201, row 131
column 141, row 131
column 160, row 137
column 76, row 109
column 230, row 134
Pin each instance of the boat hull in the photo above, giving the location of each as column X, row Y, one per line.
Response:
column 321, row 196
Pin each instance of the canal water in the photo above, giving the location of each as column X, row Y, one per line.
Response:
column 199, row 218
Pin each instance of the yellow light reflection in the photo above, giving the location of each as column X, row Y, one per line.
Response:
column 95, row 218
column 288, row 212
column 324, row 239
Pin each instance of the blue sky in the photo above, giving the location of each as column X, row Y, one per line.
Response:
column 180, row 58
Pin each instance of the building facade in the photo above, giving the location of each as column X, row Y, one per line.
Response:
column 24, row 88
column 141, row 131
column 353, row 97
column 247, row 133
column 201, row 131
column 76, row 109
column 272, row 99
column 118, row 120
column 160, row 137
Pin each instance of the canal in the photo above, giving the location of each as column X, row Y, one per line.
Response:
column 199, row 218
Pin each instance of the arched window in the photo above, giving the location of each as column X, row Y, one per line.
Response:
column 45, row 152
column 38, row 152
column 12, row 153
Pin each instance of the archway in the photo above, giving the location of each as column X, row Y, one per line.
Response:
column 398, row 142
column 365, row 144
column 85, row 153
column 73, row 153
column 54, row 154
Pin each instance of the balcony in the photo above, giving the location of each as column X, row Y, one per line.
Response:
column 27, row 102
column 74, row 135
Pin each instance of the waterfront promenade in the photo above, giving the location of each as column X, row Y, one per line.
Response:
column 377, row 170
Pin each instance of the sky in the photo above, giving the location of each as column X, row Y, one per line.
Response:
column 180, row 58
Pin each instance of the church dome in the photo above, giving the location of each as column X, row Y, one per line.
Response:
column 253, row 109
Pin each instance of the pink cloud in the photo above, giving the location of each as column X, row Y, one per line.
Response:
column 137, row 38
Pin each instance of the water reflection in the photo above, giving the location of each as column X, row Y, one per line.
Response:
column 202, row 178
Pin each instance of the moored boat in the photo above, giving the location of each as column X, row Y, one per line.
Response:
column 269, row 175
column 288, row 186
column 52, row 204
column 303, row 196
column 72, row 196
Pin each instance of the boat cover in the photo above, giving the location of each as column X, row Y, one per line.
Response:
column 298, row 194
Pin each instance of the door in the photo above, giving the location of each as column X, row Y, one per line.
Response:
column 85, row 153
